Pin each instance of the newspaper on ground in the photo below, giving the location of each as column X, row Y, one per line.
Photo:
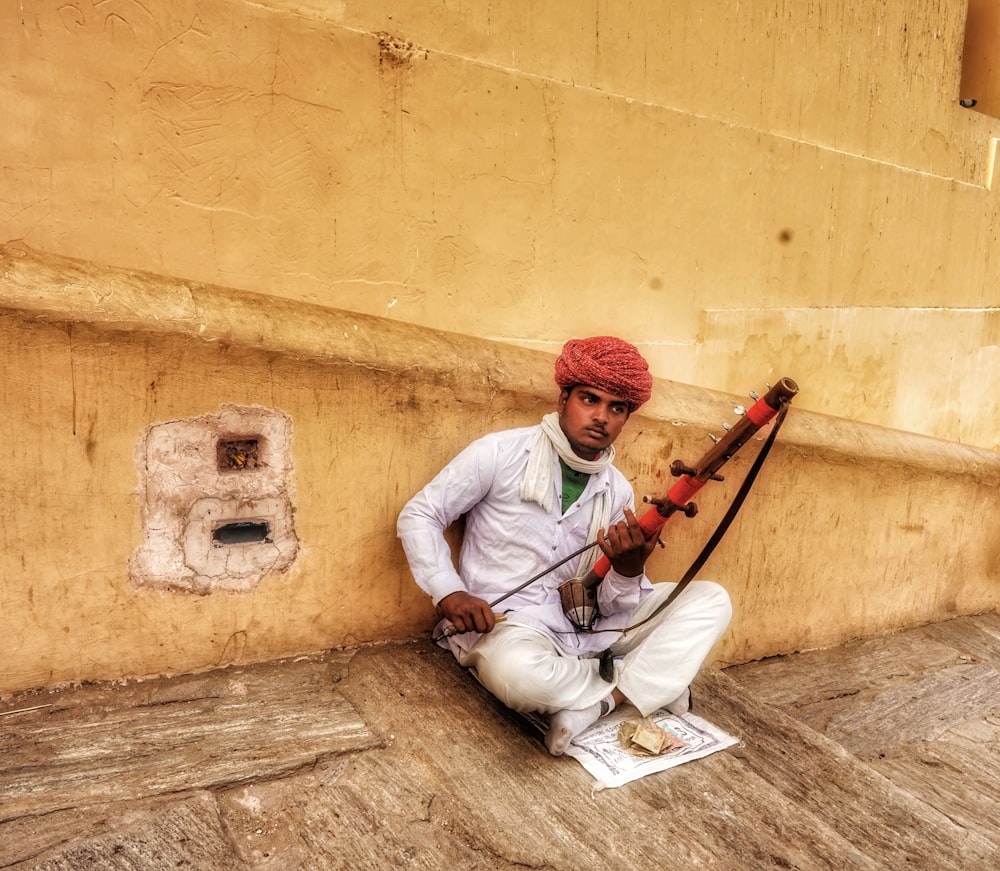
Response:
column 599, row 750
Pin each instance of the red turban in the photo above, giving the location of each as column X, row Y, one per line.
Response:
column 607, row 363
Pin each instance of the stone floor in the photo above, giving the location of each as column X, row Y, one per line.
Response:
column 880, row 754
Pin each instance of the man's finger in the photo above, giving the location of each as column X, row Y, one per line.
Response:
column 633, row 533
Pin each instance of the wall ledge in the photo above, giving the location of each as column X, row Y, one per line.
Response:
column 56, row 289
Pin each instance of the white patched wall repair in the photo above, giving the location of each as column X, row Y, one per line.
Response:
column 215, row 497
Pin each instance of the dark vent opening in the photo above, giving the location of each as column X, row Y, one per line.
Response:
column 242, row 532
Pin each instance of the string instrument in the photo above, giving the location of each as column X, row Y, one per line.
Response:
column 579, row 595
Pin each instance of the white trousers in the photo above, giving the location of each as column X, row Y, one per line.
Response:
column 654, row 663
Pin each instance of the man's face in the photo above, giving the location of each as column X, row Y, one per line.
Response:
column 590, row 419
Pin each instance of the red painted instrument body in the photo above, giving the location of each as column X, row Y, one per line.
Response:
column 692, row 480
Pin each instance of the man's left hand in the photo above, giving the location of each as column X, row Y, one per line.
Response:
column 625, row 545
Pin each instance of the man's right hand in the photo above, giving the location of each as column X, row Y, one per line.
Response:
column 468, row 613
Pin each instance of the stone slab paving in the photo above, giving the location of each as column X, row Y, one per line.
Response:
column 158, row 737
column 921, row 707
column 391, row 757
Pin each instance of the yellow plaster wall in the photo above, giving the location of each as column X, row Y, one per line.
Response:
column 850, row 530
column 744, row 190
column 980, row 69
column 92, row 357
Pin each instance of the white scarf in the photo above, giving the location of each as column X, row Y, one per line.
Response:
column 537, row 484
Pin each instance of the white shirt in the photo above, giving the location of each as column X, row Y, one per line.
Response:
column 506, row 541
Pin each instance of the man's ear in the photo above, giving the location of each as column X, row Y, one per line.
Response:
column 563, row 396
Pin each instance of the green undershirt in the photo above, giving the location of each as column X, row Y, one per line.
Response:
column 573, row 485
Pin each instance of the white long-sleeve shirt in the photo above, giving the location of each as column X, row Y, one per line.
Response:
column 506, row 540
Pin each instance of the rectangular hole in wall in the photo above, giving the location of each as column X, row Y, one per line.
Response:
column 241, row 532
column 239, row 454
